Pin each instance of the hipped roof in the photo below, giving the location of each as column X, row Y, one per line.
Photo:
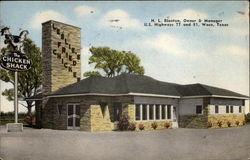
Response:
column 131, row 83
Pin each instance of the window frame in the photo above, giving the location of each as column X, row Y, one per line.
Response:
column 199, row 105
column 218, row 109
column 232, row 109
column 227, row 109
column 149, row 108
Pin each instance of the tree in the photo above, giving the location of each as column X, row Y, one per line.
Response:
column 29, row 81
column 113, row 62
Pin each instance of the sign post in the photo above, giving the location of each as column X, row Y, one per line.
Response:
column 15, row 60
column 15, row 99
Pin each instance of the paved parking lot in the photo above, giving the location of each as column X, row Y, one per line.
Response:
column 172, row 144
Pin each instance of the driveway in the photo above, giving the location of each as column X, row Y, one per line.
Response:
column 171, row 144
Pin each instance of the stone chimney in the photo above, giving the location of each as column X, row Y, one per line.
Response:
column 60, row 55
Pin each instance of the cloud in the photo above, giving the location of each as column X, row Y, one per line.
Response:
column 84, row 10
column 169, row 44
column 188, row 14
column 120, row 19
column 165, row 43
column 44, row 16
column 232, row 50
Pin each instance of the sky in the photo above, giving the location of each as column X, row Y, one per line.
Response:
column 214, row 55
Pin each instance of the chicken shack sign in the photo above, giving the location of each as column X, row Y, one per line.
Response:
column 16, row 59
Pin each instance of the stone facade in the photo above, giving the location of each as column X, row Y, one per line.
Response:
column 196, row 121
column 61, row 55
column 200, row 121
column 94, row 120
column 97, row 117
column 225, row 118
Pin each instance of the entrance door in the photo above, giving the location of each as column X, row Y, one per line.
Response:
column 175, row 122
column 73, row 116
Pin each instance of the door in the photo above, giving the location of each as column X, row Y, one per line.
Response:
column 73, row 119
column 175, row 122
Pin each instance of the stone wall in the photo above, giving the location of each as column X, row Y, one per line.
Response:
column 195, row 121
column 61, row 55
column 129, row 111
column 94, row 120
column 224, row 118
column 52, row 119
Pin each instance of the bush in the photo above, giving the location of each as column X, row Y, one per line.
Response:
column 209, row 124
column 154, row 125
column 219, row 123
column 237, row 123
column 123, row 124
column 132, row 126
column 30, row 120
column 141, row 126
column 243, row 122
column 167, row 124
column 247, row 117
column 228, row 123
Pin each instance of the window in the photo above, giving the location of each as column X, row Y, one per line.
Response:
column 216, row 109
column 59, row 107
column 231, row 109
column 151, row 112
column 157, row 112
column 163, row 111
column 138, row 112
column 227, row 109
column 117, row 111
column 240, row 109
column 169, row 116
column 144, row 112
column 103, row 106
column 199, row 109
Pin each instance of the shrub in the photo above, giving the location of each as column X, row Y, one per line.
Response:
column 167, row 124
column 228, row 123
column 243, row 122
column 209, row 124
column 237, row 123
column 29, row 120
column 154, row 125
column 132, row 126
column 219, row 123
column 123, row 124
column 141, row 126
column 247, row 117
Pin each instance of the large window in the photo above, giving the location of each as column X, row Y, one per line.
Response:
column 231, row 109
column 157, row 112
column 137, row 112
column 216, row 109
column 199, row 109
column 151, row 112
column 163, row 111
column 169, row 115
column 144, row 112
column 227, row 109
column 240, row 109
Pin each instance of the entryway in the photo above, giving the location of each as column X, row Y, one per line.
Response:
column 73, row 120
